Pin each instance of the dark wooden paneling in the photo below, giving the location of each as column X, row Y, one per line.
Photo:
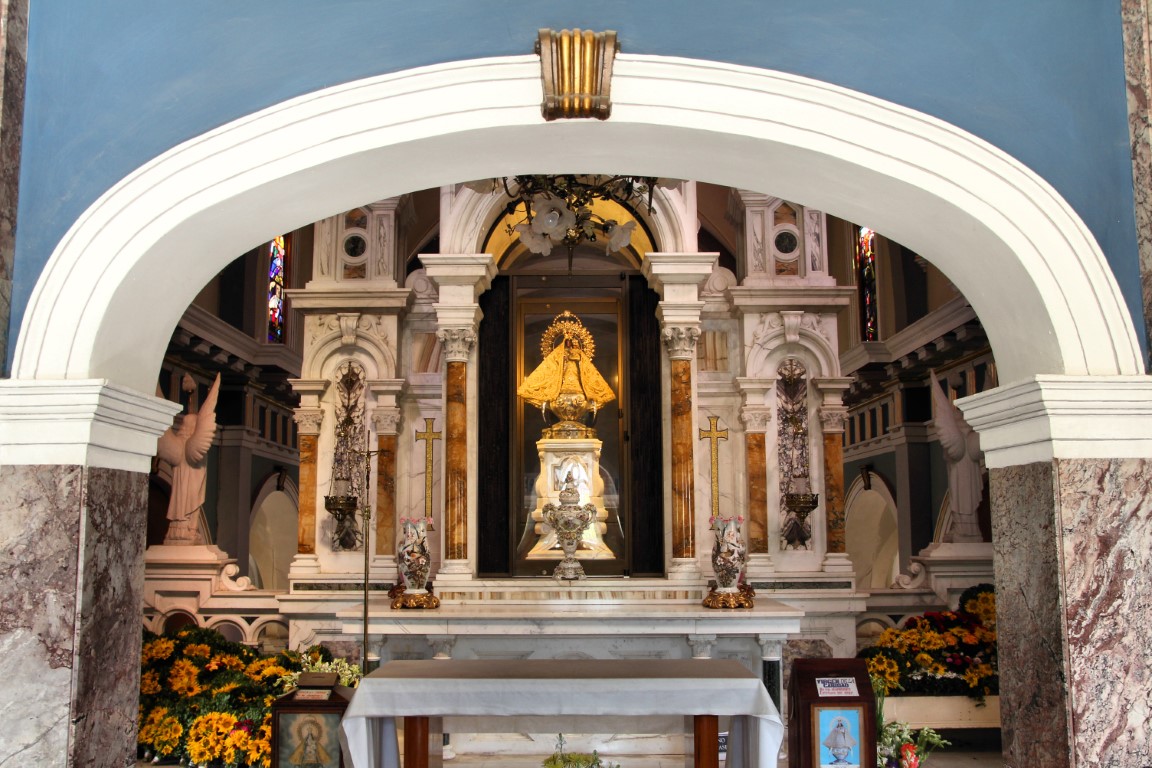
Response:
column 645, row 441
column 493, row 496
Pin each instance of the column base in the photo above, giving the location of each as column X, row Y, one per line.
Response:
column 304, row 565
column 685, row 569
column 838, row 562
column 454, row 572
column 759, row 565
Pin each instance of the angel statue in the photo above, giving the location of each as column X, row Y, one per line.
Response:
column 566, row 382
column 961, row 447
column 185, row 447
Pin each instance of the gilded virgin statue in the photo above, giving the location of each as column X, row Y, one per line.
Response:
column 566, row 383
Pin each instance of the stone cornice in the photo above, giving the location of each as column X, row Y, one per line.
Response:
column 1063, row 417
column 89, row 422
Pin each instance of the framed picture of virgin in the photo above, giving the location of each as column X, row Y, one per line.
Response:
column 837, row 737
column 307, row 740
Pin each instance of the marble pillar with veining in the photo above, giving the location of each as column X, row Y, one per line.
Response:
column 683, row 466
column 385, row 493
column 71, row 586
column 834, row 491
column 757, row 469
column 456, row 461
column 13, row 63
column 1073, row 560
column 1138, row 77
column 306, row 525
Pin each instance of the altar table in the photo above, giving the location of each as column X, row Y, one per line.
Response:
column 570, row 692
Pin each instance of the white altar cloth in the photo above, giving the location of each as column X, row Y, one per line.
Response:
column 562, row 688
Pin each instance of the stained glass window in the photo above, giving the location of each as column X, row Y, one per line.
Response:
column 866, row 283
column 277, row 259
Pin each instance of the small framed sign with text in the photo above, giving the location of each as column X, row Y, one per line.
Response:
column 832, row 720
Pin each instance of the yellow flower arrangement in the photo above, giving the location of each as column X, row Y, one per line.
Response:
column 158, row 649
column 235, row 746
column 260, row 744
column 206, row 700
column 940, row 652
column 225, row 661
column 197, row 651
column 149, row 682
column 183, row 678
column 161, row 731
column 208, row 734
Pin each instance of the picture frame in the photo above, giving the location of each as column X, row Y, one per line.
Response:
column 307, row 739
column 838, row 736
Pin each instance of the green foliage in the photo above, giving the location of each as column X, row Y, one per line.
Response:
column 562, row 759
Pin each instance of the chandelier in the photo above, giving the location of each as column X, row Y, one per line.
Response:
column 558, row 210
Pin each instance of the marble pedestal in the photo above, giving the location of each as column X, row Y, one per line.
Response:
column 581, row 458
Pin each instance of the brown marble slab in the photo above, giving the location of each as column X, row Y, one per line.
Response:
column 456, row 461
column 683, row 464
column 757, row 469
column 385, row 494
column 306, row 526
column 834, row 491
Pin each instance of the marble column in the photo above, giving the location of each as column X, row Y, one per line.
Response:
column 308, row 423
column 677, row 278
column 1138, row 74
column 682, row 343
column 456, row 444
column 757, row 418
column 1073, row 562
column 386, row 395
column 13, row 62
column 74, row 458
column 72, row 590
column 460, row 279
column 387, row 423
column 833, row 415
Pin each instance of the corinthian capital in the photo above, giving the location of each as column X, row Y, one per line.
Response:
column 458, row 343
column 832, row 419
column 308, row 420
column 756, row 419
column 681, row 341
column 387, row 420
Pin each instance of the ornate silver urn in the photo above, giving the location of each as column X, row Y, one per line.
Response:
column 569, row 518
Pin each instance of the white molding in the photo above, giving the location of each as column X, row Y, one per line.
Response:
column 1063, row 417
column 145, row 247
column 92, row 423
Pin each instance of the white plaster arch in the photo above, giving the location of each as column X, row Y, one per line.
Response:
column 145, row 247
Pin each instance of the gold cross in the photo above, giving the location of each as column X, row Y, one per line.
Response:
column 428, row 436
column 714, row 436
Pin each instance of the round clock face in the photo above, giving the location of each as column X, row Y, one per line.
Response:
column 355, row 246
column 786, row 242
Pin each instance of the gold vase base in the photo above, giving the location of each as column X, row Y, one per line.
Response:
column 728, row 600
column 416, row 600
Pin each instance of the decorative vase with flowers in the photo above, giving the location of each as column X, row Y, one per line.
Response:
column 728, row 557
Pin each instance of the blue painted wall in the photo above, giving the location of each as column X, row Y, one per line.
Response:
column 111, row 85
